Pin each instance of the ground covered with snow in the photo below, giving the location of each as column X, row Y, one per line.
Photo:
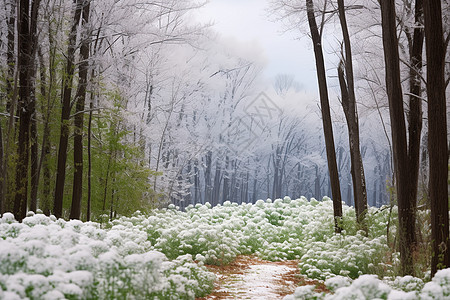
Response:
column 162, row 255
column 249, row 277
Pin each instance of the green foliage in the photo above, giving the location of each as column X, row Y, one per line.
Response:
column 120, row 179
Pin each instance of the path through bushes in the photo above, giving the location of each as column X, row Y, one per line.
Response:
column 249, row 277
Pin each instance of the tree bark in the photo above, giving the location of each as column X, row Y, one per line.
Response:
column 349, row 105
column 10, row 55
column 208, row 188
column 415, row 113
column 398, row 131
column 27, row 37
column 77, row 191
column 437, row 135
column 45, row 203
column 226, row 181
column 65, row 114
column 2, row 172
column 89, row 178
column 326, row 116
column 218, row 176
column 34, row 168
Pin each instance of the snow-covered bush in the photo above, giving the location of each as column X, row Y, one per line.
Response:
column 45, row 258
column 151, row 255
column 305, row 292
column 274, row 230
column 344, row 255
column 370, row 287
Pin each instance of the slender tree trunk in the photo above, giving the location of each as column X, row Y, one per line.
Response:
column 398, row 131
column 326, row 116
column 89, row 137
column 2, row 172
column 217, row 183
column 10, row 55
column 11, row 99
column 226, row 181
column 349, row 105
column 208, row 162
column 255, row 182
column 77, row 191
column 32, row 107
column 9, row 139
column 34, row 168
column 27, row 36
column 105, row 191
column 89, row 191
column 415, row 114
column 437, row 135
column 196, row 183
column 65, row 114
column 317, row 183
column 45, row 204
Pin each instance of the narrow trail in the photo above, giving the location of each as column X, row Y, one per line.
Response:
column 249, row 277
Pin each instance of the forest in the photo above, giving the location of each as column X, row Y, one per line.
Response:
column 118, row 114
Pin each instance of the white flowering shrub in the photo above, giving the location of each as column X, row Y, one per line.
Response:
column 408, row 283
column 370, row 287
column 305, row 292
column 45, row 258
column 344, row 255
column 161, row 255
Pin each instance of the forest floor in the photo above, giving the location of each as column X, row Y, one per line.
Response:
column 249, row 277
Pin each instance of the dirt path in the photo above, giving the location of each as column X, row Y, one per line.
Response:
column 249, row 277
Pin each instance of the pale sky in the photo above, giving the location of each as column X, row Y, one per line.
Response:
column 247, row 21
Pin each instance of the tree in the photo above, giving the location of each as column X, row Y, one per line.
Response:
column 27, row 24
column 415, row 110
column 326, row 116
column 402, row 169
column 80, row 98
column 346, row 82
column 65, row 114
column 437, row 135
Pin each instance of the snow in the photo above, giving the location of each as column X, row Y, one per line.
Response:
column 259, row 281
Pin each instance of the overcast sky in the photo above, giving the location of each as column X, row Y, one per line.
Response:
column 247, row 21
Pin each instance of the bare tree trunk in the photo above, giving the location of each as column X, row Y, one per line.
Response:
column 217, row 183
column 45, row 149
column 77, row 191
column 350, row 109
column 10, row 55
column 12, row 92
column 226, row 181
column 66, row 105
column 415, row 114
column 11, row 98
column 196, row 183
column 255, row 182
column 398, row 131
column 89, row 192
column 326, row 116
column 27, row 36
column 105, row 191
column 208, row 188
column 437, row 135
column 32, row 107
column 34, row 168
column 2, row 173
